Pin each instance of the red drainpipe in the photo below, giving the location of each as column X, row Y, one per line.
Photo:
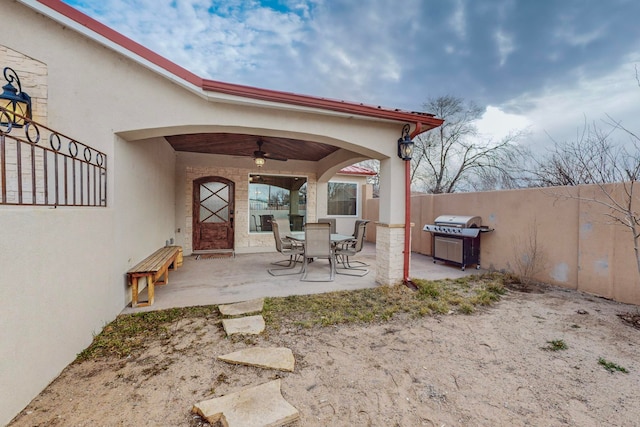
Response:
column 407, row 215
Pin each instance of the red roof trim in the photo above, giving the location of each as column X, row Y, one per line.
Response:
column 324, row 103
column 426, row 120
column 356, row 170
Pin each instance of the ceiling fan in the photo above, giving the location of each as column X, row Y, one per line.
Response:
column 259, row 156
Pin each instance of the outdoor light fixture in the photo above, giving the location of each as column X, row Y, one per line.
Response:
column 16, row 103
column 405, row 144
column 259, row 161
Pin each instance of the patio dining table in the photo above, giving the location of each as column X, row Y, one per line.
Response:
column 335, row 237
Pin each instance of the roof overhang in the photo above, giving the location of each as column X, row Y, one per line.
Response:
column 91, row 28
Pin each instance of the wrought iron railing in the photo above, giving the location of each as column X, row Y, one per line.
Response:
column 43, row 167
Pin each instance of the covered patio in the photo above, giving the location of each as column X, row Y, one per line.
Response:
column 178, row 159
column 212, row 281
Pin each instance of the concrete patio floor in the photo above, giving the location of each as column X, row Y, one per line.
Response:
column 216, row 281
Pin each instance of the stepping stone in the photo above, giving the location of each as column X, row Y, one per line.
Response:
column 259, row 406
column 253, row 325
column 246, row 307
column 280, row 358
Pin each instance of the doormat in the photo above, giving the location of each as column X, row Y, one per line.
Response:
column 214, row 256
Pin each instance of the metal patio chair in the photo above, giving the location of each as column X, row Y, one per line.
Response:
column 350, row 248
column 317, row 244
column 284, row 229
column 295, row 250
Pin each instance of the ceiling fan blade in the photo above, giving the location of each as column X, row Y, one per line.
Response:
column 272, row 157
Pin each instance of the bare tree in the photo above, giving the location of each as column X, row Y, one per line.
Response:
column 590, row 159
column 454, row 155
column 529, row 255
column 374, row 180
column 614, row 169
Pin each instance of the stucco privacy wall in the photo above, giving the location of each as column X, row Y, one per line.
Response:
column 582, row 248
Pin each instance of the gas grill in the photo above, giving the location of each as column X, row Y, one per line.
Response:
column 456, row 239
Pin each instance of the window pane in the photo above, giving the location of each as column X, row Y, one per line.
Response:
column 342, row 198
column 276, row 197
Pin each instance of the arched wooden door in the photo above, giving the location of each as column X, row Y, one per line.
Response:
column 213, row 207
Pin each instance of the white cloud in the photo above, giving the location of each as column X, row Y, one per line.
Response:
column 559, row 113
column 505, row 45
column 458, row 20
column 497, row 124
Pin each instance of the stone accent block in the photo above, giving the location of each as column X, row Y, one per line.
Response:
column 259, row 406
column 241, row 308
column 251, row 325
column 280, row 358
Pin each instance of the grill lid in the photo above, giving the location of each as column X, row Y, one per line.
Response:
column 459, row 221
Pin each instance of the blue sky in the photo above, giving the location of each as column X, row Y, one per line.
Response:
column 543, row 65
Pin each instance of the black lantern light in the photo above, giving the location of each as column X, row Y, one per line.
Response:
column 405, row 144
column 16, row 103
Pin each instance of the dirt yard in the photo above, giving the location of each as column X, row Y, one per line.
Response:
column 533, row 359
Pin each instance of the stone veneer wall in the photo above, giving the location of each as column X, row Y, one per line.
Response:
column 244, row 242
column 33, row 78
column 33, row 81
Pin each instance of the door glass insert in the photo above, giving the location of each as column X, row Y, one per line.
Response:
column 214, row 202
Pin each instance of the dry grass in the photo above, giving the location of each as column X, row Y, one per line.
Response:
column 128, row 334
column 381, row 304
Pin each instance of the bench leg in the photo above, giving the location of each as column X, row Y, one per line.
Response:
column 165, row 277
column 134, row 292
column 150, row 290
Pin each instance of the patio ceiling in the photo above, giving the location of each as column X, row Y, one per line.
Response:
column 233, row 144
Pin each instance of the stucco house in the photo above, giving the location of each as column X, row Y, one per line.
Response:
column 128, row 142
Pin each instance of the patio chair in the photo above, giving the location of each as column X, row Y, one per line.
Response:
column 351, row 248
column 294, row 250
column 317, row 244
column 353, row 242
column 331, row 221
column 284, row 229
column 357, row 224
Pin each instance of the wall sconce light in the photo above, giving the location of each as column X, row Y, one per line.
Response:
column 405, row 144
column 16, row 103
column 259, row 161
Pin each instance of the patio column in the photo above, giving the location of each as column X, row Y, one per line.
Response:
column 390, row 226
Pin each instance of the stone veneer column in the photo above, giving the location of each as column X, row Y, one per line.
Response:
column 389, row 253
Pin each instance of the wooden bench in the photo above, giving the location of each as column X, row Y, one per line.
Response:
column 154, row 267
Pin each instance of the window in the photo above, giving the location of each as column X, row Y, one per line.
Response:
column 342, row 198
column 276, row 196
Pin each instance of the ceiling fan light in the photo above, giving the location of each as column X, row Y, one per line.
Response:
column 259, row 161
